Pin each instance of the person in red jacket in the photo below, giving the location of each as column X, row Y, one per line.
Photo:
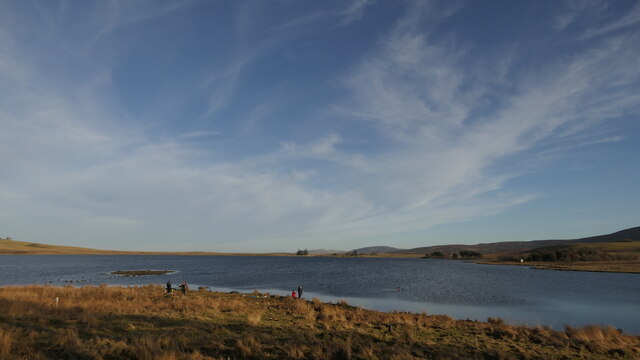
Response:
column 293, row 294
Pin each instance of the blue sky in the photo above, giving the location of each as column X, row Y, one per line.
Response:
column 278, row 125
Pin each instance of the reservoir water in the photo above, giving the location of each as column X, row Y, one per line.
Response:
column 518, row 295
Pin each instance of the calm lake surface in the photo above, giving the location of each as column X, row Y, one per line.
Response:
column 461, row 290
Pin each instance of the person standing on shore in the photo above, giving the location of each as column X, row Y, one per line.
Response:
column 169, row 289
column 300, row 291
column 293, row 294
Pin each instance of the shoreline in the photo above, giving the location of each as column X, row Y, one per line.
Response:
column 620, row 267
column 134, row 322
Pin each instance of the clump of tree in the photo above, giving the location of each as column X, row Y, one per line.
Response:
column 434, row 255
column 353, row 252
column 567, row 254
column 464, row 254
column 469, row 254
column 575, row 254
column 302, row 252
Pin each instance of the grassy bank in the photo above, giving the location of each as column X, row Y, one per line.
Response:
column 142, row 323
column 629, row 267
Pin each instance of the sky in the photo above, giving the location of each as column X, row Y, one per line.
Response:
column 278, row 125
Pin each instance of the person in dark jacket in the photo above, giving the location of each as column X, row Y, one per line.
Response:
column 169, row 289
column 183, row 287
column 300, row 291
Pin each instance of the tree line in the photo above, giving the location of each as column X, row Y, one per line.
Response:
column 462, row 254
column 569, row 254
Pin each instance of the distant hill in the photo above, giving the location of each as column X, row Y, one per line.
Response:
column 514, row 246
column 377, row 249
column 13, row 247
column 632, row 234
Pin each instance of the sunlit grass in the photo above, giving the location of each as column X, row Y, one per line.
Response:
column 143, row 323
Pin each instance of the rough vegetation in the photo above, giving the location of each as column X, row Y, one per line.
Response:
column 615, row 256
column 580, row 252
column 462, row 254
column 142, row 323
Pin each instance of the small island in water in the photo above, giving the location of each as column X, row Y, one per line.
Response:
column 141, row 272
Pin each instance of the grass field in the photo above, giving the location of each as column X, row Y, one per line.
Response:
column 13, row 247
column 142, row 323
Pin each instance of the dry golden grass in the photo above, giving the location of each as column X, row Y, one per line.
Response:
column 142, row 323
column 7, row 338
column 254, row 316
column 14, row 247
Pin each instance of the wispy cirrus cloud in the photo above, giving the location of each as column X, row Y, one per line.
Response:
column 354, row 11
column 452, row 129
column 113, row 14
column 631, row 18
column 420, row 94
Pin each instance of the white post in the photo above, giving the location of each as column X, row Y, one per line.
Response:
column 57, row 300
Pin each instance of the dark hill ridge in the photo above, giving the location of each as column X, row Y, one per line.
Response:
column 514, row 246
column 377, row 249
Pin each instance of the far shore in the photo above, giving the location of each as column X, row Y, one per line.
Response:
column 12, row 247
column 627, row 267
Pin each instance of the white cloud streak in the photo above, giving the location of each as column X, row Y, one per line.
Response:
column 113, row 14
column 630, row 19
column 354, row 11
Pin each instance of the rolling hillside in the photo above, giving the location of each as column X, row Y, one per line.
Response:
column 377, row 249
column 13, row 247
column 516, row 246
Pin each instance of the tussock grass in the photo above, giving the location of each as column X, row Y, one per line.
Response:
column 7, row 338
column 248, row 346
column 254, row 316
column 142, row 323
